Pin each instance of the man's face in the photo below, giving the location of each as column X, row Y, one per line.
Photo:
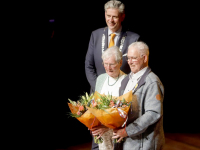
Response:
column 135, row 62
column 112, row 67
column 113, row 19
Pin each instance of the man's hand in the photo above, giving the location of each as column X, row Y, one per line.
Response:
column 119, row 134
column 99, row 130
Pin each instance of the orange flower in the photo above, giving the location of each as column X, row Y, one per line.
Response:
column 81, row 108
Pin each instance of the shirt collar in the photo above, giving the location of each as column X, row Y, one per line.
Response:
column 136, row 76
column 117, row 32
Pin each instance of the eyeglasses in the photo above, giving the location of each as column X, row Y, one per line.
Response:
column 111, row 65
column 133, row 58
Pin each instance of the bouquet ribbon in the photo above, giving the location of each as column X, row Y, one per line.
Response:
column 122, row 113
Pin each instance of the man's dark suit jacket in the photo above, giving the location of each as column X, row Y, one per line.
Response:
column 93, row 61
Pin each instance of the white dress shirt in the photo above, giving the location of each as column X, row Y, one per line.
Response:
column 134, row 79
column 116, row 36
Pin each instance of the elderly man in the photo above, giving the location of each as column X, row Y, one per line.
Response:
column 146, row 130
column 103, row 38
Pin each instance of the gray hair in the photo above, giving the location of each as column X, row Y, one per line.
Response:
column 115, row 4
column 112, row 51
column 141, row 47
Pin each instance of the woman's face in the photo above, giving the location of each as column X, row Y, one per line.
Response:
column 112, row 67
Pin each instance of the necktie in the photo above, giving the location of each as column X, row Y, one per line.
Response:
column 112, row 43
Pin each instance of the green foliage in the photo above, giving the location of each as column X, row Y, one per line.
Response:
column 72, row 102
column 107, row 101
column 115, row 140
column 85, row 99
column 73, row 115
column 98, row 141
column 104, row 101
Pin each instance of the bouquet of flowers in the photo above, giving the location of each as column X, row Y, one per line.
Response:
column 111, row 111
column 80, row 112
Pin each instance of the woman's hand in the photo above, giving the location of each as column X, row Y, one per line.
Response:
column 99, row 130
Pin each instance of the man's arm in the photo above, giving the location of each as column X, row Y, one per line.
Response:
column 90, row 69
column 153, row 106
column 153, row 112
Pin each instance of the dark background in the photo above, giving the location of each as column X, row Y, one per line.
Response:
column 169, row 30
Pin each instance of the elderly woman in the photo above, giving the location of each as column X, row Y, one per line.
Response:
column 109, row 83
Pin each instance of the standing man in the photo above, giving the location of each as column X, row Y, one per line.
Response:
column 103, row 38
column 144, row 131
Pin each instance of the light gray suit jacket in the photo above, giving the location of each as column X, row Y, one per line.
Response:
column 145, row 131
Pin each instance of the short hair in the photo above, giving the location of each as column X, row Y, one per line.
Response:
column 112, row 51
column 115, row 4
column 141, row 47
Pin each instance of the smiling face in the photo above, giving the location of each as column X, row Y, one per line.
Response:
column 113, row 19
column 112, row 67
column 135, row 61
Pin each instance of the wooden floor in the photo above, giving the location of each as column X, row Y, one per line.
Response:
column 173, row 141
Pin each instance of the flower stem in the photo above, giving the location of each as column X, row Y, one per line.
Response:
column 98, row 141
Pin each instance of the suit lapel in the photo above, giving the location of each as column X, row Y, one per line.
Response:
column 106, row 38
column 143, row 79
column 140, row 83
column 123, row 85
column 122, row 34
column 120, row 37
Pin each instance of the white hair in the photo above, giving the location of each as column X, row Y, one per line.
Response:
column 141, row 47
column 112, row 51
column 115, row 4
